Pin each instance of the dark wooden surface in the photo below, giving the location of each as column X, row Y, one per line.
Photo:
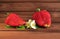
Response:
column 25, row 9
column 49, row 1
column 29, row 6
column 28, row 35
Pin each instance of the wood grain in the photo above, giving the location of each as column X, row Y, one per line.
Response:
column 29, row 0
column 25, row 9
column 29, row 6
column 16, row 1
column 28, row 35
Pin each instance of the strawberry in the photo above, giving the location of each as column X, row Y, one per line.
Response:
column 42, row 18
column 14, row 20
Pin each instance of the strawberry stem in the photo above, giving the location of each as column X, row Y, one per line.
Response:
column 38, row 9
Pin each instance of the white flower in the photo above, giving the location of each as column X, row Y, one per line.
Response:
column 33, row 24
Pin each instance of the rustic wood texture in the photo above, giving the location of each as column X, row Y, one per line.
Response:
column 25, row 9
column 28, row 35
column 49, row 1
column 29, row 6
column 29, row 0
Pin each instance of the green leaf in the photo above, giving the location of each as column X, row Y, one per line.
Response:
column 8, row 26
column 37, row 27
column 21, row 28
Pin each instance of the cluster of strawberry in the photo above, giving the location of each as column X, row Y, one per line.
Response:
column 40, row 18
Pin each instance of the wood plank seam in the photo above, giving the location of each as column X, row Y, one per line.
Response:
column 30, row 1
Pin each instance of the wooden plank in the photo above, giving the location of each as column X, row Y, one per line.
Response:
column 56, row 19
column 29, row 6
column 28, row 35
column 29, row 0
column 2, row 20
column 53, row 14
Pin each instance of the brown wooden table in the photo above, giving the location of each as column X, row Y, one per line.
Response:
column 25, row 9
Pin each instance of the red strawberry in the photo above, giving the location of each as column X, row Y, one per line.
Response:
column 42, row 18
column 14, row 20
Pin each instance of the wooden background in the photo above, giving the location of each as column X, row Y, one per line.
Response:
column 25, row 9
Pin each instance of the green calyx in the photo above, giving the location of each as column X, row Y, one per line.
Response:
column 8, row 26
column 17, row 27
column 20, row 28
column 38, row 9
